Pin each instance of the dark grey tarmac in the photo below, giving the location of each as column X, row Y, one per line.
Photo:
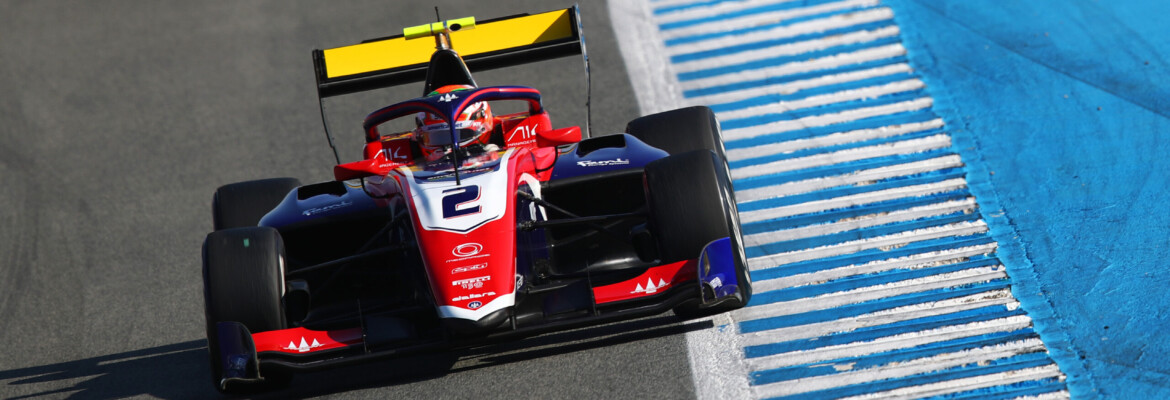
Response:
column 118, row 119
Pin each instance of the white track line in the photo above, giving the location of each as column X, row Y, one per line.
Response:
column 889, row 241
column 787, row 49
column 972, row 383
column 797, row 67
column 656, row 4
column 1061, row 395
column 965, row 205
column 889, row 343
column 826, row 119
column 786, row 31
column 863, row 93
column 863, row 294
column 852, row 200
column 855, row 154
column 797, row 86
column 714, row 356
column 852, row 178
column 914, row 261
column 716, row 359
column 913, row 311
column 758, row 19
column 900, row 369
column 653, row 79
column 709, row 10
column 832, row 139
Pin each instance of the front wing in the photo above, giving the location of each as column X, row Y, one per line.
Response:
column 709, row 279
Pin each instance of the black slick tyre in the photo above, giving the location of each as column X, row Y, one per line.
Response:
column 243, row 281
column 679, row 131
column 691, row 203
column 244, row 203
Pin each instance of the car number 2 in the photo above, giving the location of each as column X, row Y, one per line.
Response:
column 460, row 201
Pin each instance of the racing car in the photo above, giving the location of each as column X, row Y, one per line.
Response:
column 461, row 226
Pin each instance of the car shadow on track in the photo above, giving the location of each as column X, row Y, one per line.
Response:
column 179, row 371
column 174, row 371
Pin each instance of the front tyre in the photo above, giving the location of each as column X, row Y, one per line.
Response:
column 679, row 131
column 243, row 281
column 245, row 203
column 691, row 204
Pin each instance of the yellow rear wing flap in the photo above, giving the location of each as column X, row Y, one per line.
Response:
column 493, row 43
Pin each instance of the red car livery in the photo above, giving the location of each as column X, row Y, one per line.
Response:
column 458, row 232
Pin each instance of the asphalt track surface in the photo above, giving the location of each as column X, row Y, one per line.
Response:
column 119, row 119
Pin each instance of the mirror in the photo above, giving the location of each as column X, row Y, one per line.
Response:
column 361, row 169
column 557, row 137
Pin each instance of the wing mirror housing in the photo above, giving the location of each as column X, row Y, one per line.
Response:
column 362, row 169
column 558, row 137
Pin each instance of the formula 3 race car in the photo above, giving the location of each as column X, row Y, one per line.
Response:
column 460, row 226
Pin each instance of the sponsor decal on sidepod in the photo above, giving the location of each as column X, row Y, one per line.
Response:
column 330, row 207
column 603, row 163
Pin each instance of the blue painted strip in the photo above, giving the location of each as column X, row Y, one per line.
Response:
column 860, row 234
column 797, row 221
column 889, row 183
column 680, row 7
column 742, row 13
column 832, row 215
column 853, row 310
column 760, row 181
column 870, row 334
column 747, row 162
column 904, row 117
column 774, row 61
column 839, row 86
column 782, row 79
column 1022, row 361
column 888, row 357
column 832, row 108
column 763, row 44
column 1004, row 392
column 864, row 256
column 871, row 279
column 699, row 37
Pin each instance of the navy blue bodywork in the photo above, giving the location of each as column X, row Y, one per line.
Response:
column 327, row 201
column 604, row 154
column 322, row 202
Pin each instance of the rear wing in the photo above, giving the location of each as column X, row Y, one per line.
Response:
column 494, row 43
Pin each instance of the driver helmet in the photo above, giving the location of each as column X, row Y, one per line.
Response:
column 473, row 125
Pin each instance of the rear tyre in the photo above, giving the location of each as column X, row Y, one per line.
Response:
column 243, row 281
column 244, row 203
column 679, row 131
column 691, row 203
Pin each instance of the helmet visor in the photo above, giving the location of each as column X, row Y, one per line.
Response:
column 437, row 135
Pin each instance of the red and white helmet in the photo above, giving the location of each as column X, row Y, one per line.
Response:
column 473, row 125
